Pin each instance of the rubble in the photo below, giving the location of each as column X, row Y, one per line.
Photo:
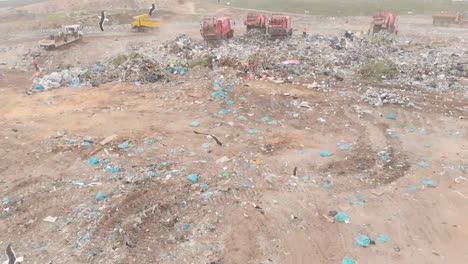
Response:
column 379, row 97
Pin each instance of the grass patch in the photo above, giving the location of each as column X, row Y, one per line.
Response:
column 204, row 61
column 347, row 7
column 378, row 71
column 83, row 12
column 56, row 15
column 119, row 60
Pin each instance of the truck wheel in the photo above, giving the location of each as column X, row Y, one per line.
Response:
column 230, row 34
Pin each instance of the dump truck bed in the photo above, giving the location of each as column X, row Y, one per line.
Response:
column 145, row 21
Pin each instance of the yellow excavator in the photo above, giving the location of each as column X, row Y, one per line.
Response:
column 143, row 22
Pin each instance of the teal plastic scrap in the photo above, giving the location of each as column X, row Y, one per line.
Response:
column 253, row 131
column 195, row 124
column 391, row 116
column 149, row 141
column 383, row 238
column 243, row 99
column 266, row 118
column 93, row 161
column 423, row 132
column 348, row 260
column 139, row 150
column 205, row 186
column 427, row 145
column 428, row 182
column 273, row 123
column 326, row 186
column 345, row 147
column 113, row 169
column 39, row 87
column 242, row 118
column 422, row 164
column 394, row 134
column 411, row 187
column 193, row 178
column 362, row 240
column 325, row 154
column 101, row 196
column 342, row 217
column 7, row 200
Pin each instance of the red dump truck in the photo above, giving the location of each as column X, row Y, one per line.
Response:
column 279, row 26
column 216, row 28
column 384, row 21
column 255, row 21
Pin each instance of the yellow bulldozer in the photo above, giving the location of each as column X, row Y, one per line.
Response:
column 144, row 22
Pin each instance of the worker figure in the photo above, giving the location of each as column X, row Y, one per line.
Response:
column 36, row 63
column 304, row 32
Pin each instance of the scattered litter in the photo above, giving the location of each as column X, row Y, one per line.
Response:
column 113, row 169
column 253, row 131
column 391, row 116
column 341, row 217
column 195, row 124
column 383, row 238
column 363, row 240
column 149, row 141
column 242, row 118
column 321, row 120
column 428, row 182
column 101, row 196
column 7, row 200
column 422, row 164
column 459, row 179
column 348, row 260
column 295, row 171
column 193, row 178
column 326, row 186
column 377, row 192
column 325, row 154
column 50, row 219
column 411, row 188
column 345, row 147
column 108, row 139
column 93, row 161
column 213, row 137
column 427, row 145
column 222, row 160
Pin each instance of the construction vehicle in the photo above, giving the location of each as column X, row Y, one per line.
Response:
column 216, row 28
column 70, row 34
column 445, row 19
column 384, row 21
column 279, row 26
column 255, row 20
column 143, row 22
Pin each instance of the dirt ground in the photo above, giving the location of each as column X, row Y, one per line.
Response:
column 248, row 206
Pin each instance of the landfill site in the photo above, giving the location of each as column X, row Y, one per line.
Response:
column 209, row 132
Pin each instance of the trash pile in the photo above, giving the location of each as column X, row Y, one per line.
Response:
column 299, row 60
column 135, row 68
column 379, row 97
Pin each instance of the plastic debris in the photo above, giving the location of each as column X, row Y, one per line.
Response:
column 345, row 147
column 377, row 192
column 149, row 141
column 93, row 161
column 422, row 164
column 242, row 118
column 391, row 116
column 100, row 196
column 326, row 186
column 222, row 160
column 195, row 124
column 362, row 240
column 411, row 188
column 348, row 260
column 383, row 238
column 460, row 179
column 7, row 200
column 193, row 178
column 113, row 169
column 325, row 154
column 108, row 139
column 204, row 186
column 253, row 131
column 341, row 217
column 50, row 219
column 266, row 118
column 428, row 182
